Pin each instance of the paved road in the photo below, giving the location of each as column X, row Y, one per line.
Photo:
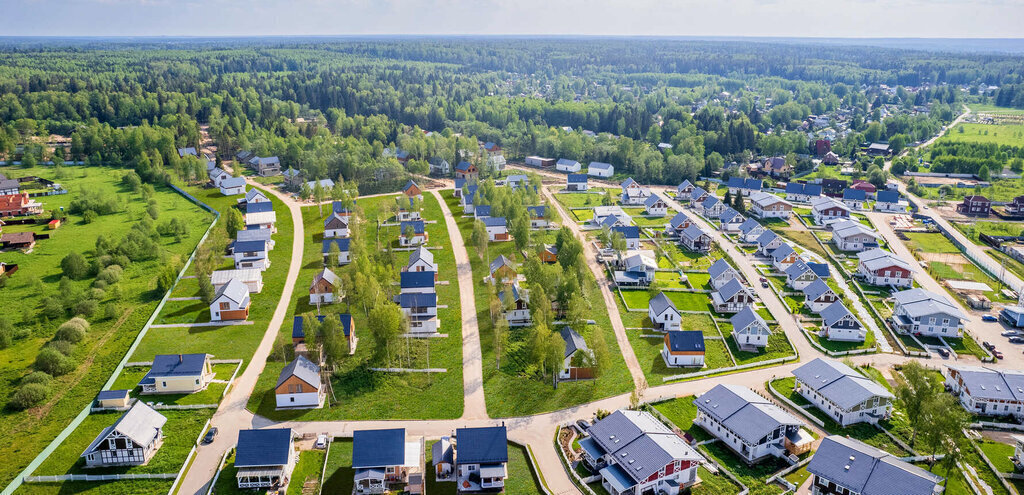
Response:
column 474, row 406
column 232, row 416
column 606, row 291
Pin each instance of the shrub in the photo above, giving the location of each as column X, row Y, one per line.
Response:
column 86, row 307
column 110, row 311
column 99, row 284
column 29, row 395
column 6, row 333
column 74, row 266
column 53, row 361
column 36, row 377
column 53, row 308
column 97, row 294
column 111, row 274
column 61, row 346
column 79, row 322
column 69, row 333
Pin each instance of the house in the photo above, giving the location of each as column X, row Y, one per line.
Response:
column 740, row 185
column 414, row 233
column 23, row 241
column 421, row 260
column 417, row 282
column 655, row 206
column 496, row 163
column 1014, row 208
column 975, row 206
column 732, row 297
column 1012, row 316
column 830, row 158
column 697, row 196
column 250, row 254
column 890, row 201
column 851, row 235
column 802, row 193
column 694, row 239
column 630, row 233
column 412, row 190
column 769, row 241
column 292, row 178
column 721, row 272
column 676, row 226
column 833, row 187
column 264, row 458
column 336, row 225
column 502, row 270
column 420, row 308
column 750, row 425
column 265, row 166
column 538, row 216
column 252, row 278
column 481, row 457
column 260, row 220
column 232, row 186
column 439, row 166
column 777, row 167
column 9, row 186
column 549, row 254
column 467, row 171
column 926, row 313
column 854, row 198
column 491, row 147
column 634, row 195
column 321, row 290
column 481, row 211
column 567, row 165
column 515, row 303
column 344, row 256
column 987, row 391
column 183, row 152
column 730, row 220
column 838, row 323
column 663, row 313
column 600, row 169
column 827, row 210
column 230, row 302
column 712, row 207
column 131, row 441
column 818, row 296
column 842, row 393
column 255, row 196
column 576, row 183
column 177, row 374
column 878, row 149
column 610, row 216
column 383, row 462
column 457, row 190
column 749, row 330
column 638, row 269
column 113, row 398
column 863, row 185
column 750, row 230
column 16, row 205
column 634, row 454
column 217, row 175
column 466, row 199
column 879, row 267
column 799, row 275
column 684, row 189
column 765, row 205
column 844, row 465
column 497, row 229
column 664, row 146
column 577, row 359
column 299, row 385
column 299, row 333
column 325, row 184
column 515, row 181
column 263, row 235
column 443, row 459
column 683, row 349
column 783, row 256
column 537, row 161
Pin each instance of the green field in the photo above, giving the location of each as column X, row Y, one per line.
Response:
column 130, row 377
column 1000, row 134
column 681, row 411
column 358, row 392
column 38, row 277
column 998, row 454
column 986, row 108
column 930, row 243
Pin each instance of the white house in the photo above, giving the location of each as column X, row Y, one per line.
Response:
column 880, row 267
column 826, row 210
column 766, row 205
column 768, row 241
column 576, row 183
column 264, row 458
column 567, row 165
column 577, row 356
column 663, row 313
column 481, row 459
column 420, row 309
column 750, row 230
column 800, row 274
column 922, row 312
column 421, row 260
column 732, row 297
column 838, row 323
column 515, row 302
column 131, row 441
column 749, row 330
column 631, row 234
column 638, row 269
column 783, row 256
column 497, row 229
column 322, row 288
column 712, row 207
column 413, row 233
column 600, row 169
column 231, row 302
column 250, row 254
column 299, row 385
column 802, row 193
column 842, row 393
column 818, row 296
column 851, row 235
column 750, row 425
column 336, row 225
column 344, row 255
column 846, row 465
column 655, row 206
column 683, row 349
column 232, row 186
column 889, row 201
column 251, row 277
column 721, row 272
column 730, row 220
column 987, row 391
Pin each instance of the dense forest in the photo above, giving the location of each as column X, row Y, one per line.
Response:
column 330, row 107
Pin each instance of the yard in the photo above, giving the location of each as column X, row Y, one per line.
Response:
column 681, row 411
column 306, row 472
column 359, row 393
column 133, row 298
column 752, row 476
column 998, row 454
column 579, row 200
column 930, row 242
column 130, row 377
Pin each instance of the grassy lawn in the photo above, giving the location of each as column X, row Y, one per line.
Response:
column 998, row 134
column 840, row 346
column 226, row 481
column 778, row 347
column 681, row 411
column 521, row 478
column 583, row 215
column 307, row 469
column 699, row 280
column 648, row 353
column 180, row 433
column 121, row 487
column 513, row 390
column 798, row 477
column 974, row 229
column 135, row 298
column 338, row 473
column 579, row 200
column 785, row 387
column 358, row 392
column 986, row 108
column 713, row 484
column 752, row 476
column 930, row 242
column 231, row 341
column 998, row 454
column 670, row 280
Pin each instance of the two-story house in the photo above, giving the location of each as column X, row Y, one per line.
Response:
column 987, row 391
column 131, row 441
column 677, row 224
column 769, row 241
column 630, row 234
column 748, row 424
column 826, row 210
column 818, row 295
column 729, row 220
column 802, row 193
column 654, row 206
column 515, row 303
column 750, row 230
column 250, row 254
column 880, row 267
column 663, row 313
column 842, row 393
column 765, row 205
column 921, row 312
column 851, row 235
column 230, row 302
column 732, row 297
column 721, row 272
column 576, row 183
column 847, row 466
column 683, row 348
column 783, row 256
column 383, row 461
column 749, row 330
column 323, row 288
column 481, row 459
column 695, row 239
column 975, row 206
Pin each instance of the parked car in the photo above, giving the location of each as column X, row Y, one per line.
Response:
column 943, row 352
column 1016, row 340
column 321, row 442
column 988, row 346
column 582, row 425
column 1009, row 333
column 210, row 435
column 987, row 317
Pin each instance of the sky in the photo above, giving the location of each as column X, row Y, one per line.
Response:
column 788, row 18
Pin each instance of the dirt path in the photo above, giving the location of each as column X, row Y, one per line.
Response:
column 474, row 403
column 606, row 291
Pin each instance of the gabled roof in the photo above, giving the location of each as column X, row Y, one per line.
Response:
column 719, row 267
column 652, row 200
column 822, row 203
column 710, row 202
column 261, row 235
column 234, row 290
column 728, row 214
column 187, row 151
column 140, row 424
column 839, row 383
column 692, row 232
column 660, row 303
column 339, row 208
column 342, row 243
column 816, row 289
column 416, row 280
column 919, row 302
column 819, row 269
column 267, row 447
column 260, row 207
column 798, row 268
column 640, row 444
column 495, row 221
column 685, row 341
column 177, row 365
column 991, row 384
column 834, row 313
column 745, row 318
column 764, row 199
column 748, row 415
column 888, row 197
column 482, row 211
column 628, row 182
column 460, row 183
column 378, row 448
column 847, row 228
column 501, row 261
column 327, row 275
column 112, row 394
column 335, row 221
column 877, row 258
column 795, row 188
column 537, row 211
column 463, row 166
column 577, row 178
column 421, row 254
column 748, row 225
column 600, row 165
column 442, row 452
column 639, row 261
column 766, row 238
column 438, row 161
column 866, row 470
column 573, row 341
column 735, row 182
column 487, row 445
column 781, row 252
column 252, row 194
column 696, row 193
column 513, row 293
column 414, row 226
column 417, row 300
column 567, row 162
column 232, row 182
column 678, row 220
column 303, row 369
column 855, row 194
column 409, row 185
column 729, row 290
column 628, row 231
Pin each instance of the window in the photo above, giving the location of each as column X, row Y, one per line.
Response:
column 224, row 306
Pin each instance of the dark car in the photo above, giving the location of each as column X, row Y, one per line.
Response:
column 582, row 425
column 943, row 352
column 210, row 435
column 1016, row 340
column 988, row 318
column 988, row 346
column 997, row 354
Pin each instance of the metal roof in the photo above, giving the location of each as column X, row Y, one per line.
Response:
column 686, row 184
column 847, row 228
column 816, row 289
column 653, row 200
column 685, row 341
column 112, row 394
column 600, row 165
column 835, row 312
column 748, row 415
column 877, row 258
column 253, row 235
column 628, row 231
column 920, row 302
column 421, row 254
column 659, row 303
column 782, row 252
column 416, row 280
column 501, row 261
column 482, row 211
column 140, row 423
column 748, row 225
column 577, row 178
column 573, row 341
column 177, row 365
column 764, row 199
column 495, row 221
column 745, row 317
column 855, row 194
column 839, row 383
column 342, row 242
column 442, row 452
column 867, row 470
column 766, row 238
column 269, row 447
column 730, row 289
column 719, row 267
column 678, row 220
column 417, row 300
column 416, row 226
column 303, row 369
column 486, row 445
column 243, row 275
column 336, row 221
column 693, row 232
column 329, row 276
column 378, row 448
column 991, row 384
column 888, row 197
column 232, row 182
column 259, row 207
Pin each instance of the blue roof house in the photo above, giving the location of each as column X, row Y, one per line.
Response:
column 264, row 458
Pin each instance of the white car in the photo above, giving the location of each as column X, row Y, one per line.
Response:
column 321, row 442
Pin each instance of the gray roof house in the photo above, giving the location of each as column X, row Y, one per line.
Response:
column 695, row 239
column 818, row 295
column 750, row 230
column 841, row 392
column 987, row 391
column 749, row 330
column 838, row 323
column 923, row 312
column 732, row 297
column 747, row 423
column 846, row 464
column 130, row 441
column 721, row 272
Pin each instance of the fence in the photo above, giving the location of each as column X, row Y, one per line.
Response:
column 188, row 458
column 985, row 264
column 220, row 468
column 715, row 371
column 99, row 477
column 579, row 482
column 814, row 419
column 77, row 420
